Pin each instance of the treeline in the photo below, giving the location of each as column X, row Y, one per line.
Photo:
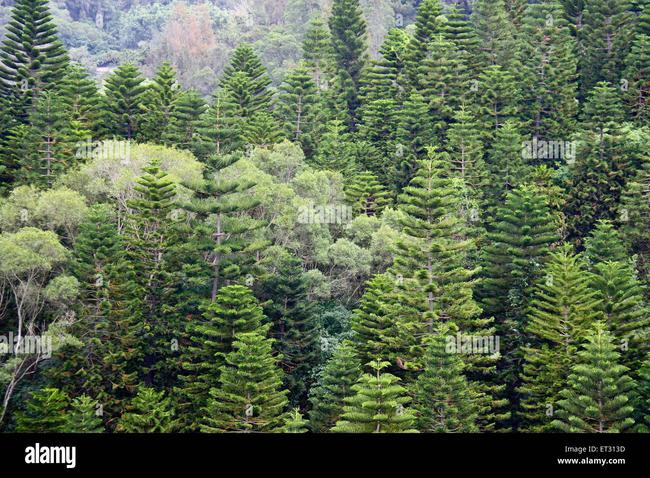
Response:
column 451, row 238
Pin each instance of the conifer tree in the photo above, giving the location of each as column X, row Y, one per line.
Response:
column 247, row 81
column 634, row 216
column 459, row 30
column 123, row 103
column 220, row 131
column 642, row 415
column 45, row 412
column 334, row 384
column 262, row 130
column 547, row 71
column 372, row 325
column 52, row 150
column 222, row 226
column 431, row 259
column 367, row 195
column 415, row 133
column 97, row 249
column 377, row 405
column 297, row 109
column 336, row 149
column 560, row 315
column 250, row 397
column 444, row 81
column 161, row 101
column 148, row 236
column 626, row 314
column 497, row 101
column 81, row 96
column 465, row 150
column 597, row 397
column 605, row 244
column 317, row 51
column 349, row 44
column 210, row 339
column 427, row 28
column 605, row 38
column 84, row 418
column 599, row 174
column 294, row 328
column 516, row 245
column 184, row 120
column 506, row 168
column 295, row 423
column 32, row 58
column 635, row 83
column 444, row 400
column 149, row 412
column 495, row 31
column 385, row 77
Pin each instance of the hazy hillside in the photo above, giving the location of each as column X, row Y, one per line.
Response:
column 198, row 35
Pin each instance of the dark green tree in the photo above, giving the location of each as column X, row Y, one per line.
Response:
column 123, row 103
column 45, row 412
column 247, row 81
column 250, row 397
column 605, row 38
column 562, row 310
column 367, row 195
column 295, row 326
column 149, row 412
column 377, row 405
column 298, row 109
column 85, row 416
column 334, row 384
column 210, row 339
column 444, row 400
column 184, row 120
column 349, row 44
column 32, row 58
column 597, row 398
column 160, row 103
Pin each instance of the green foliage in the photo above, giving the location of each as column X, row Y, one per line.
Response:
column 294, row 328
column 84, row 417
column 547, row 69
column 32, row 58
column 562, row 310
column 377, row 405
column 596, row 400
column 297, row 109
column 45, row 412
column 334, row 384
column 123, row 102
column 149, row 412
column 348, row 33
column 605, row 244
column 444, row 400
column 605, row 38
column 295, row 423
column 250, row 396
column 367, row 195
column 211, row 337
column 600, row 171
column 246, row 80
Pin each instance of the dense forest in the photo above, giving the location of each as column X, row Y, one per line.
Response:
column 339, row 216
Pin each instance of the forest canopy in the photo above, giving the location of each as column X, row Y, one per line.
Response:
column 333, row 216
